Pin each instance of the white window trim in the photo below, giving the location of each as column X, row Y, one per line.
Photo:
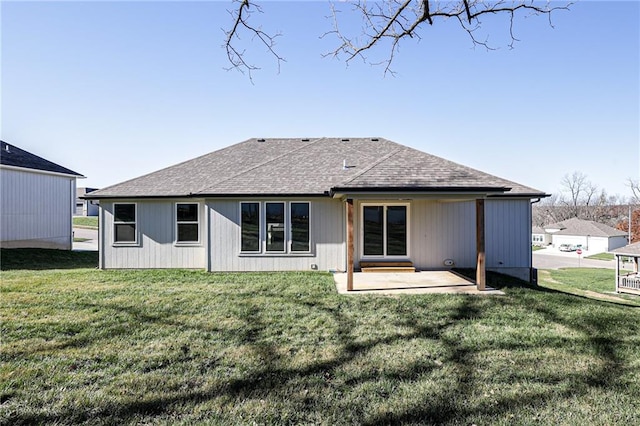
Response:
column 259, row 251
column 384, row 227
column 262, row 211
column 264, row 230
column 198, row 222
column 137, row 232
column 290, row 242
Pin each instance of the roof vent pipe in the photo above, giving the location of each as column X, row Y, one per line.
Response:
column 344, row 164
column 6, row 148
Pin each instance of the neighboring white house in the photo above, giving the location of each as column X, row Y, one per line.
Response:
column 85, row 207
column 539, row 237
column 37, row 201
column 316, row 204
column 592, row 236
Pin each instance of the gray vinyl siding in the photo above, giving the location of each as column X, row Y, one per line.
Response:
column 156, row 246
column 508, row 233
column 442, row 230
column 327, row 231
column 36, row 209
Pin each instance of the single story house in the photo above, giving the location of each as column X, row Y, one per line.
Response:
column 592, row 236
column 539, row 237
column 38, row 200
column 317, row 204
column 85, row 207
column 628, row 282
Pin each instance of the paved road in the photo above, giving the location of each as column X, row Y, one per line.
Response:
column 91, row 234
column 548, row 259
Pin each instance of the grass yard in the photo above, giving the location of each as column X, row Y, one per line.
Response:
column 86, row 221
column 591, row 282
column 601, row 256
column 80, row 345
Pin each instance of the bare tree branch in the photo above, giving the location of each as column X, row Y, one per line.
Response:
column 408, row 16
column 241, row 23
column 387, row 20
column 634, row 185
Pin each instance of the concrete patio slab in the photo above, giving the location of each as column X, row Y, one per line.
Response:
column 424, row 282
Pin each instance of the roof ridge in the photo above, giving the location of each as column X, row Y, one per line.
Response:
column 375, row 163
column 200, row 191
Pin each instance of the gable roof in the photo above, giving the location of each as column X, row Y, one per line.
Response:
column 575, row 226
column 537, row 230
column 11, row 155
column 312, row 167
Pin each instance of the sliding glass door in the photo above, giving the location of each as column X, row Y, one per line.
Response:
column 384, row 230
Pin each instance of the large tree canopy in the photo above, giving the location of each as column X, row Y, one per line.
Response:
column 389, row 21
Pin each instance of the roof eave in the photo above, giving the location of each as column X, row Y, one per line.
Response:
column 91, row 196
column 338, row 192
column 45, row 172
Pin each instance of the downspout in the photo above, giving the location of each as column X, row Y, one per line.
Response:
column 533, row 276
column 72, row 190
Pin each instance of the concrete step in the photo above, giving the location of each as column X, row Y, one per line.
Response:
column 385, row 263
column 389, row 269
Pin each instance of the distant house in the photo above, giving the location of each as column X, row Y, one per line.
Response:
column 38, row 200
column 85, row 207
column 592, row 236
column 321, row 204
column 539, row 237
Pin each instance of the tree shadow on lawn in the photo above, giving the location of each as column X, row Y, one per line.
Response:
column 43, row 259
column 501, row 281
column 275, row 379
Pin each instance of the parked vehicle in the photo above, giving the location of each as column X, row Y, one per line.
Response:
column 567, row 247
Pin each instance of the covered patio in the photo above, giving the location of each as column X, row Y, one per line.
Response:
column 424, row 282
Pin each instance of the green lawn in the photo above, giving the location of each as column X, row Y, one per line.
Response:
column 86, row 221
column 591, row 282
column 80, row 345
column 601, row 256
column 536, row 248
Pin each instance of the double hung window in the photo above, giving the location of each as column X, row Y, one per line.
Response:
column 124, row 223
column 187, row 223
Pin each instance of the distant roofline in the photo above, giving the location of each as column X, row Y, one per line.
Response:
column 21, row 159
column 44, row 172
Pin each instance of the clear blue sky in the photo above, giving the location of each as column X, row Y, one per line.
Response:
column 115, row 90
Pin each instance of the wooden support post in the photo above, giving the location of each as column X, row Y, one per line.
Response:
column 617, row 273
column 349, row 245
column 480, row 266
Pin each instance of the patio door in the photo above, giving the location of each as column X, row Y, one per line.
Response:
column 385, row 230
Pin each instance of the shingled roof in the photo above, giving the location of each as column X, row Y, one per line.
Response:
column 312, row 167
column 11, row 155
column 575, row 226
column 629, row 250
